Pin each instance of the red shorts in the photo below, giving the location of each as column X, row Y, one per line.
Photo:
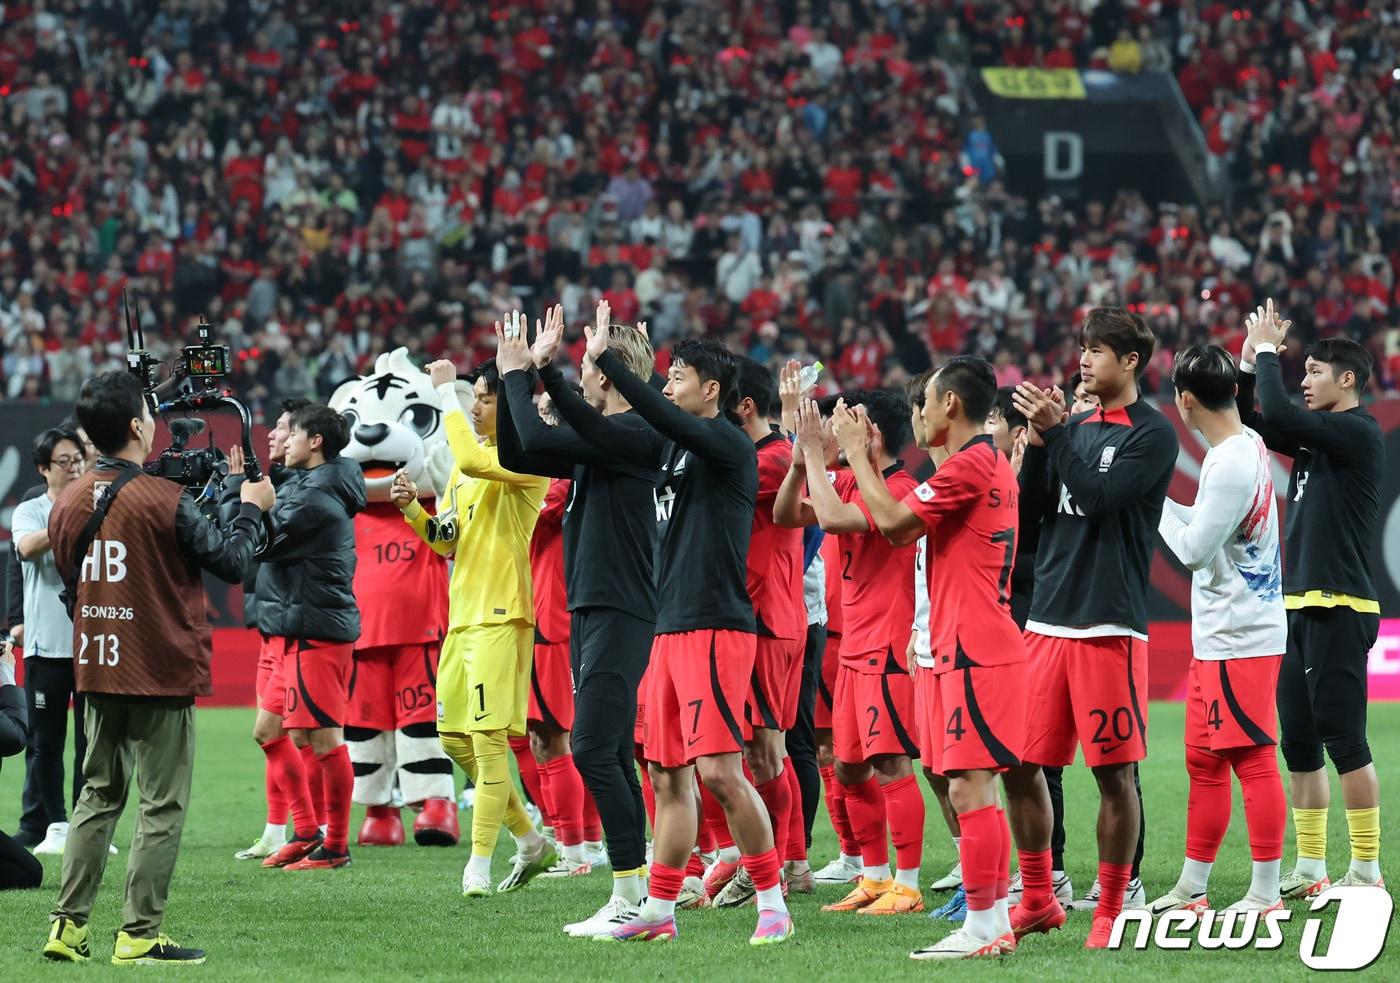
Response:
column 826, row 682
column 1086, row 691
column 639, row 726
column 1230, row 702
column 772, row 701
column 269, row 658
column 873, row 714
column 552, row 687
column 972, row 718
column 392, row 686
column 313, row 684
column 695, row 695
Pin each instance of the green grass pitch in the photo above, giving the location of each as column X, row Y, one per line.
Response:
column 398, row 913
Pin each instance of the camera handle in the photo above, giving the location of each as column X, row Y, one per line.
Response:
column 206, row 402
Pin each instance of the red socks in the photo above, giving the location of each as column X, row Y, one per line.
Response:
column 563, row 788
column 712, row 815
column 1208, row 805
column 1265, row 809
column 285, row 763
column 979, row 849
column 904, row 811
column 592, row 824
column 763, row 869
column 1004, row 857
column 648, row 793
column 795, row 837
column 276, row 801
column 1035, row 876
column 530, row 777
column 338, row 775
column 865, row 804
column 1113, row 882
column 664, row 883
column 777, row 797
column 314, row 784
column 695, row 867
column 836, row 812
column 704, row 836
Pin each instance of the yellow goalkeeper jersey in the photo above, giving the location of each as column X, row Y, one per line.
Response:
column 484, row 522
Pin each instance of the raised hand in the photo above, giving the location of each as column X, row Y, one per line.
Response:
column 512, row 352
column 1041, row 409
column 851, row 429
column 548, row 336
column 1264, row 327
column 1018, row 450
column 402, row 492
column 601, row 332
column 441, row 372
column 236, row 460
column 790, row 392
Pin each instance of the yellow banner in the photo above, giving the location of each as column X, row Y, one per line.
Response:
column 1034, row 83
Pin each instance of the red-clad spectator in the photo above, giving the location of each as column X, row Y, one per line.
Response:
column 862, row 362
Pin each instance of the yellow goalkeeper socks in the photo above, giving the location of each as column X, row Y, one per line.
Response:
column 1364, row 827
column 496, row 799
column 1310, row 829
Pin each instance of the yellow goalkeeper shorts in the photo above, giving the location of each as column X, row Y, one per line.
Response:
column 484, row 678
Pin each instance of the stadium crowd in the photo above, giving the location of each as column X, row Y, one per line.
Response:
column 803, row 179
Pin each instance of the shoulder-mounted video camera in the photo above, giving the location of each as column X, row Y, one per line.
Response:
column 193, row 387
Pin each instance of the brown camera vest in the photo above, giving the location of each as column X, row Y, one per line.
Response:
column 138, row 620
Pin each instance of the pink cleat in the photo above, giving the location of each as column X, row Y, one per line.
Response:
column 773, row 927
column 641, row 929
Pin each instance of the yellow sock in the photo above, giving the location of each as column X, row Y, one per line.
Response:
column 1364, row 826
column 1310, row 828
column 496, row 801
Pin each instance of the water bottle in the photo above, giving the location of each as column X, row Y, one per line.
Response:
column 807, row 378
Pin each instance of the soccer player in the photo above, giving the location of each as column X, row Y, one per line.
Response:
column 306, row 598
column 1096, row 486
column 609, row 536
column 1333, row 615
column 846, row 868
column 484, row 522
column 703, row 655
column 873, row 707
column 974, row 678
column 774, row 584
column 1229, row 539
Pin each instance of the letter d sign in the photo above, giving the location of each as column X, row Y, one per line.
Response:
column 1064, row 156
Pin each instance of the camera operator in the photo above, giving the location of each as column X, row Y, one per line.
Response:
column 142, row 652
column 305, row 600
column 17, row 868
column 274, row 835
column 48, row 645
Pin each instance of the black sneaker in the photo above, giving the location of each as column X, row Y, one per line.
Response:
column 159, row 951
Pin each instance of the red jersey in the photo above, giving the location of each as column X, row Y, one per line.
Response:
column 969, row 509
column 877, row 595
column 400, row 584
column 831, row 562
column 774, row 573
column 547, row 565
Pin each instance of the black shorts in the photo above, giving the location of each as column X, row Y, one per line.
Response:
column 1322, row 688
column 611, row 642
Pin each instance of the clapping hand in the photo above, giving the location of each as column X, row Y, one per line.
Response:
column 402, row 492
column 548, row 336
column 442, row 372
column 601, row 332
column 852, row 430
column 512, row 351
column 1264, row 327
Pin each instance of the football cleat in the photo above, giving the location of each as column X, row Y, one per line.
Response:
column 616, row 912
column 1296, row 885
column 320, row 859
column 1352, row 879
column 955, row 909
column 1175, row 900
column 949, row 881
column 639, row 929
column 692, row 894
column 773, row 927
column 1100, row 933
column 961, row 945
column 54, row 841
column 295, row 848
column 1062, row 885
column 864, row 893
column 839, row 871
column 898, row 900
column 719, row 875
column 265, row 846
column 475, row 885
column 1135, row 896
column 68, row 942
column 1251, row 903
column 739, row 891
column 1043, row 920
column 564, row 867
column 526, row 869
column 801, row 882
column 597, row 855
column 159, row 951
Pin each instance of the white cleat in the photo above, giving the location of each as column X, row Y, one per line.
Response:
column 1251, row 903
column 1296, row 885
column 961, row 945
column 563, row 867
column 476, row 885
column 1176, row 900
column 951, row 880
column 265, row 846
column 596, row 854
column 839, row 871
column 1063, row 887
column 1134, row 897
column 739, row 891
column 692, row 894
column 1352, row 879
column 55, row 839
column 610, row 916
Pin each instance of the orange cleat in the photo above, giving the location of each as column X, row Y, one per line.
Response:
column 898, row 900
column 1043, row 920
column 294, row 850
column 865, row 893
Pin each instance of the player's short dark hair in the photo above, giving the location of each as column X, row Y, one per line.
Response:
column 48, row 440
column 712, row 362
column 888, row 410
column 1207, row 372
column 487, row 370
column 293, row 403
column 756, row 382
column 1123, row 331
column 1005, row 407
column 917, row 386
column 319, row 420
column 107, row 404
column 1344, row 355
column 971, row 378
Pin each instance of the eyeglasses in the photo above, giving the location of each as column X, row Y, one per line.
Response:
column 67, row 460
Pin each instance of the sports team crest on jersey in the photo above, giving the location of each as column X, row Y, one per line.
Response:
column 1106, row 458
column 98, row 487
column 924, row 492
